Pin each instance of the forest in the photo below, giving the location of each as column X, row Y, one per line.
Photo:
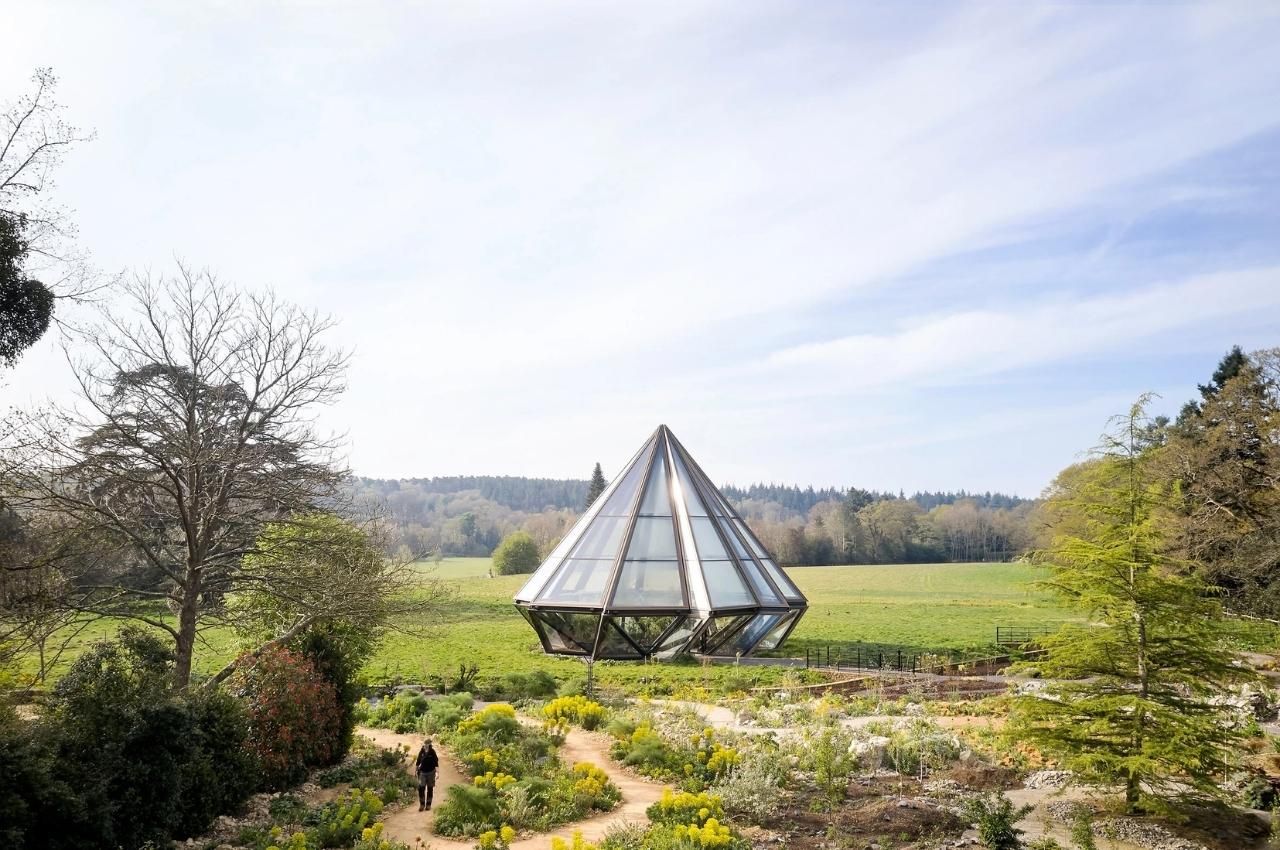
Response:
column 470, row 515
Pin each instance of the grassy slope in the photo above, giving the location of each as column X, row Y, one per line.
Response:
column 924, row 607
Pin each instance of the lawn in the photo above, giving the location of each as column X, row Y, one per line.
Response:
column 943, row 608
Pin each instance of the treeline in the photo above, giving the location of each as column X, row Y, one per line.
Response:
column 471, row 515
column 893, row 531
column 801, row 501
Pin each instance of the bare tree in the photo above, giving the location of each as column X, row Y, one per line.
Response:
column 194, row 428
column 34, row 138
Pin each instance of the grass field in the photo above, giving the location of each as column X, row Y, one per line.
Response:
column 943, row 608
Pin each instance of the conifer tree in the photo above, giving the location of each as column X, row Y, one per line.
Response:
column 1138, row 709
column 596, row 487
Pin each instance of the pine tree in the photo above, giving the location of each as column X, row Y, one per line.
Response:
column 596, row 487
column 1138, row 711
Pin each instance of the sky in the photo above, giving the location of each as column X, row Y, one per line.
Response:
column 917, row 246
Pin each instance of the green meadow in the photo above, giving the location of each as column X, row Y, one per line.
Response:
column 947, row 609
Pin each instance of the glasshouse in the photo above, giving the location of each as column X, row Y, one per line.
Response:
column 660, row 564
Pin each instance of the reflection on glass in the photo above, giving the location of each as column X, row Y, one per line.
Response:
column 578, row 582
column 657, row 499
column 654, row 539
column 725, row 585
column 649, row 584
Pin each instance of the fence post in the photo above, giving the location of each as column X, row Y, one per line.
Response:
column 806, row 658
column 899, row 660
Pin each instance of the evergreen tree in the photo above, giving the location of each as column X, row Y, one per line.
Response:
column 596, row 487
column 1228, row 367
column 1229, row 465
column 1138, row 710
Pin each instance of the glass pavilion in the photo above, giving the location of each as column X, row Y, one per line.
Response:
column 660, row 564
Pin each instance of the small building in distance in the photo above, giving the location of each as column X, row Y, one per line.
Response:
column 660, row 564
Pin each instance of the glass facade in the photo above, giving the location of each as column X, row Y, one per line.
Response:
column 660, row 564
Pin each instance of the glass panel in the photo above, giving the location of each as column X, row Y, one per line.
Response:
column 649, row 584
column 725, row 585
column 645, row 630
column 653, row 540
column 657, row 498
column 783, row 581
column 752, row 634
column 719, row 629
column 578, row 631
column 539, row 579
column 602, row 539
column 750, row 538
column 766, row 593
column 677, row 639
column 775, row 636
column 704, row 534
column 691, row 499
column 619, row 503
column 614, row 645
column 579, row 582
column 739, row 548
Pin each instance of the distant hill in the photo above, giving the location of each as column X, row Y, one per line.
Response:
column 470, row 514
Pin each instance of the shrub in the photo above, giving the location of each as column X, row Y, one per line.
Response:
column 578, row 843
column 496, row 839
column 221, row 771
column 995, row 816
column 751, row 788
column 399, row 714
column 342, row 821
column 496, row 722
column 685, row 808
column 537, row 684
column 577, row 710
column 467, row 811
column 517, row 553
column 295, row 721
column 338, row 651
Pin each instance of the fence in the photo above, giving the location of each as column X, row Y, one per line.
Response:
column 1019, row 635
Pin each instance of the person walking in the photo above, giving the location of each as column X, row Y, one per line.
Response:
column 425, row 768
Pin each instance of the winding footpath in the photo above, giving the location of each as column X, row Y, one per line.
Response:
column 408, row 825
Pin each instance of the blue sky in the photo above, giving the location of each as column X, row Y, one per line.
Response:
column 893, row 245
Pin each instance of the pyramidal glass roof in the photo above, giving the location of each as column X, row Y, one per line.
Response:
column 660, row 563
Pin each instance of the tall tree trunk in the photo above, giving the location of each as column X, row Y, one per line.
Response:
column 187, row 615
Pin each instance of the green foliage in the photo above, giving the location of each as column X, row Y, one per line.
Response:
column 1148, row 664
column 295, row 722
column 595, row 487
column 683, row 807
column 338, row 649
column 342, row 821
column 26, row 306
column 400, row 714
column 517, row 554
column 1082, row 831
column 995, row 816
column 118, row 759
column 536, row 684
column 751, row 789
column 468, row 810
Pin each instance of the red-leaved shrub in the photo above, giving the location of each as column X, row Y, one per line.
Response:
column 295, row 721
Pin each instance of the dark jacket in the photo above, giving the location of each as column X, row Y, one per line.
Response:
column 427, row 761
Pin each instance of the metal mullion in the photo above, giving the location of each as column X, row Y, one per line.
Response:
column 682, row 563
column 676, row 623
column 701, row 482
column 612, row 586
column 627, row 638
column 729, row 634
column 730, row 516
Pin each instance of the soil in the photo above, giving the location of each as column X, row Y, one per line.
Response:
column 882, row 810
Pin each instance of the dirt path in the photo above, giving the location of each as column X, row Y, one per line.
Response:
column 407, row 824
column 412, row 827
